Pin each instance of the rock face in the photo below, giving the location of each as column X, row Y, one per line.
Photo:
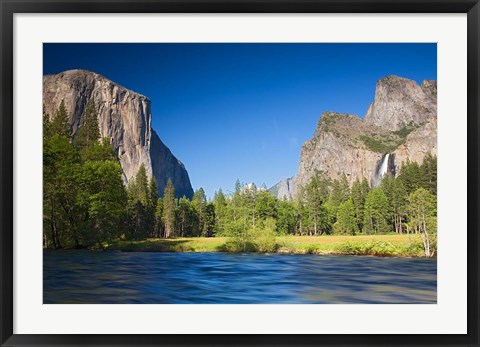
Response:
column 399, row 102
column 165, row 165
column 419, row 143
column 284, row 189
column 401, row 123
column 124, row 117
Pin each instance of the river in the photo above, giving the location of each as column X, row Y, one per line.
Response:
column 227, row 278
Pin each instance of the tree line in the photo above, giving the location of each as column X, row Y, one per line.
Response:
column 87, row 204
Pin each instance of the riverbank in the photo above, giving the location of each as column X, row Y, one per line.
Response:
column 375, row 245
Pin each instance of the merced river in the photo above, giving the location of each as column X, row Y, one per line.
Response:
column 225, row 278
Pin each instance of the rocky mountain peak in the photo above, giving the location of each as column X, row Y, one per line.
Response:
column 400, row 124
column 399, row 102
column 124, row 117
column 429, row 87
column 330, row 120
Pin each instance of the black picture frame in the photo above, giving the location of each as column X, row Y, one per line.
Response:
column 7, row 10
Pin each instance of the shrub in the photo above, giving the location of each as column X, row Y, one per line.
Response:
column 378, row 248
column 264, row 236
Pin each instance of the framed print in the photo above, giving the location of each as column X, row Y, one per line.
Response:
column 241, row 173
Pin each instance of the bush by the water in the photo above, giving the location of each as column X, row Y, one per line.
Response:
column 381, row 248
column 259, row 238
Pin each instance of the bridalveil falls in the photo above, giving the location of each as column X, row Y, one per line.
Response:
column 386, row 165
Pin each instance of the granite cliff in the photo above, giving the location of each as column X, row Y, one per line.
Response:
column 400, row 101
column 124, row 117
column 401, row 123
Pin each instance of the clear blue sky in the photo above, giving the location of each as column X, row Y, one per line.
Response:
column 243, row 111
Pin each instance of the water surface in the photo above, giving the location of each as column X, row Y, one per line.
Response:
column 226, row 278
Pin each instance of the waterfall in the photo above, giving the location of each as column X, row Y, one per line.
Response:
column 383, row 166
column 382, row 169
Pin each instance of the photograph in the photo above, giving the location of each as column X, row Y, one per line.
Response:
column 239, row 173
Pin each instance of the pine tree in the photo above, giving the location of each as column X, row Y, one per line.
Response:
column 99, row 151
column 153, row 192
column 376, row 211
column 411, row 176
column 340, row 190
column 266, row 205
column 221, row 216
column 141, row 180
column 47, row 126
column 141, row 212
column 152, row 200
column 210, row 220
column 200, row 205
column 346, row 222
column 396, row 196
column 89, row 132
column 387, row 185
column 169, row 206
column 315, row 194
column 60, row 125
column 359, row 194
column 428, row 171
column 186, row 218
column 60, row 172
column 236, row 202
column 159, row 226
column 286, row 217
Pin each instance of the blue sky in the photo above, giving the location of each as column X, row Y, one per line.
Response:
column 243, row 111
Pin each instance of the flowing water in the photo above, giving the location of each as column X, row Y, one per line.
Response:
column 225, row 278
column 381, row 170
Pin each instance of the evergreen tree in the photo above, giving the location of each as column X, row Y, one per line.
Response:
column 47, row 126
column 359, row 194
column 376, row 211
column 141, row 182
column 200, row 206
column 396, row 197
column 265, row 205
column 210, row 220
column 387, row 186
column 304, row 220
column 60, row 173
column 151, row 206
column 153, row 192
column 169, row 207
column 410, row 175
column 186, row 218
column 428, row 171
column 346, row 221
column 99, row 151
column 159, row 226
column 88, row 132
column 141, row 213
column 103, row 194
column 286, row 217
column 60, row 125
column 315, row 194
column 236, row 201
column 221, row 215
column 340, row 190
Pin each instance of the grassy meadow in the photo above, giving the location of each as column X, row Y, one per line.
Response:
column 398, row 245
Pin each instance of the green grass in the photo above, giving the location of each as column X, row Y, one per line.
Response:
column 377, row 245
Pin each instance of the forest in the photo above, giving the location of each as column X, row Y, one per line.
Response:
column 87, row 204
